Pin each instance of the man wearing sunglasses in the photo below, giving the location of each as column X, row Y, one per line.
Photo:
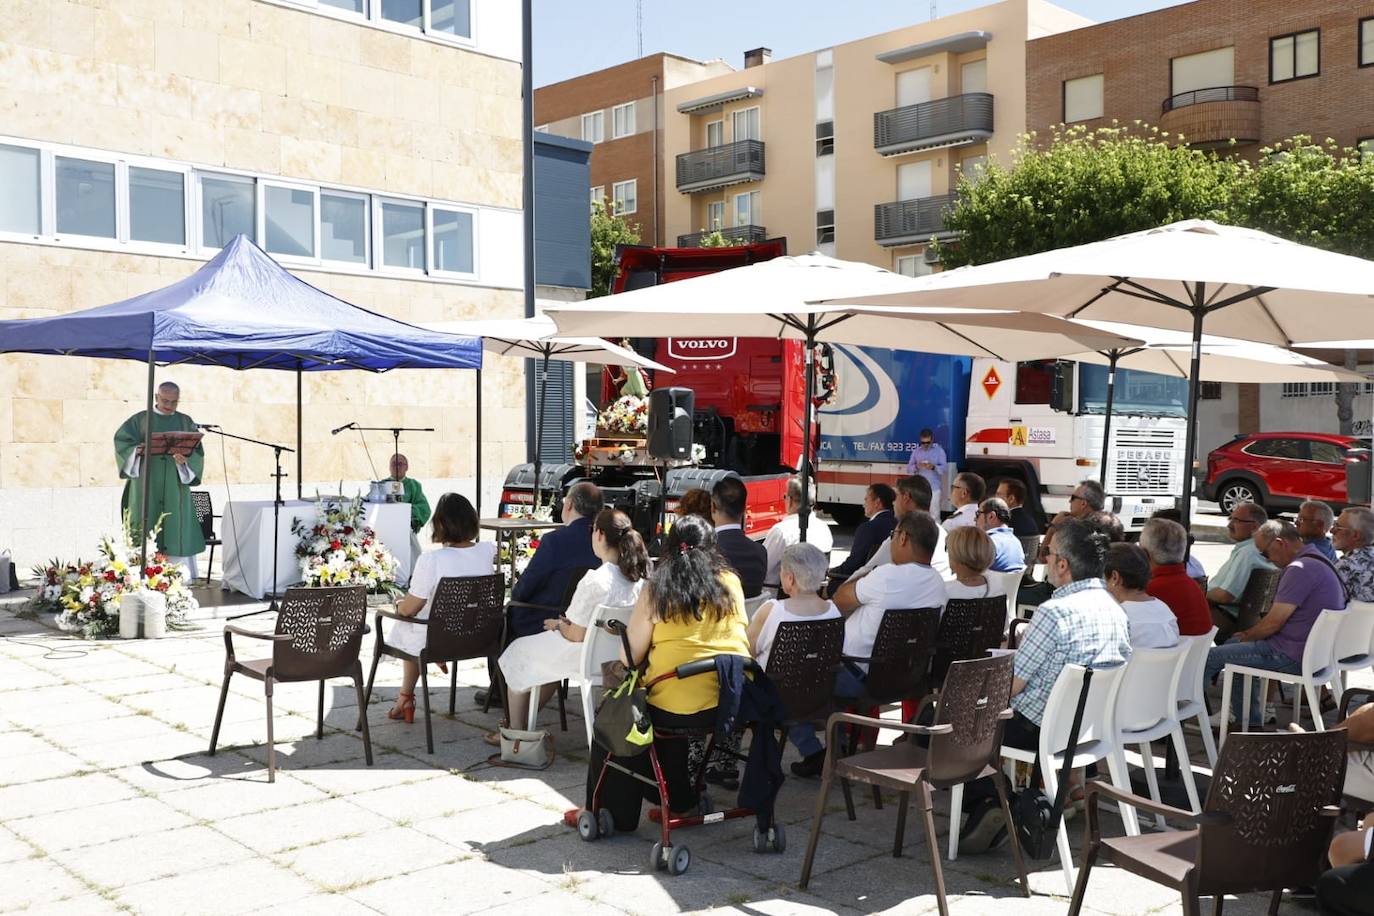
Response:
column 1229, row 582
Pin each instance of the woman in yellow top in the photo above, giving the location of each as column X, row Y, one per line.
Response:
column 691, row 608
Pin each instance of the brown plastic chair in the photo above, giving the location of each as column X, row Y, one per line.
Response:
column 1265, row 825
column 466, row 617
column 1030, row 546
column 802, row 663
column 969, row 627
column 205, row 517
column 964, row 745
column 1258, row 596
column 319, row 635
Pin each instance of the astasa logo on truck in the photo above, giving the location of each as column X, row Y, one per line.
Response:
column 694, row 348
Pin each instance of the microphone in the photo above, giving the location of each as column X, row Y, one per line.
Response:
column 335, row 432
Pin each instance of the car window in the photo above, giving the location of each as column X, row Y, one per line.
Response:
column 1278, row 448
column 1327, row 452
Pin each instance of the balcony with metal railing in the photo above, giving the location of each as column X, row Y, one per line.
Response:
column 734, row 235
column 907, row 222
column 720, row 166
column 1214, row 116
column 959, row 120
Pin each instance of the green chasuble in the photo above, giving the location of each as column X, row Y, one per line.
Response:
column 419, row 506
column 180, row 535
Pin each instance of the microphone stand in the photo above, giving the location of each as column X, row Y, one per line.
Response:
column 276, row 506
column 395, row 433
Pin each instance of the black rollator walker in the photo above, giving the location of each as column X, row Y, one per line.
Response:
column 597, row 822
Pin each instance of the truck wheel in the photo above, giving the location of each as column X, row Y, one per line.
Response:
column 1238, row 491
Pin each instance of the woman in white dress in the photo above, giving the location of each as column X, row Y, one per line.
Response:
column 970, row 555
column 454, row 528
column 549, row 657
column 801, row 573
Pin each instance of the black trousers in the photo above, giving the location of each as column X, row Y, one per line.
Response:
column 1020, row 733
column 624, row 796
column 1347, row 891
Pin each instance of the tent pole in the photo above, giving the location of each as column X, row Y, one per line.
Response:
column 1112, row 355
column 1199, row 311
column 145, row 467
column 300, row 450
column 478, row 440
column 810, row 361
column 539, row 424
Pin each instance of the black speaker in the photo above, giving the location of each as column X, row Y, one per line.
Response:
column 670, row 423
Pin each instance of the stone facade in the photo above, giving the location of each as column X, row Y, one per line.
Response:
column 254, row 85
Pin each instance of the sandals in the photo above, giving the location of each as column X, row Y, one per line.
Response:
column 492, row 738
column 404, row 708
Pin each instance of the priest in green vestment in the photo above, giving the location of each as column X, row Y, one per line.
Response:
column 419, row 506
column 170, row 478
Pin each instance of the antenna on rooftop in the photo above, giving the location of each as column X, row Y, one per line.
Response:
column 639, row 26
column 933, row 14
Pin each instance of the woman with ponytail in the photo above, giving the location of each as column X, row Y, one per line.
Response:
column 545, row 659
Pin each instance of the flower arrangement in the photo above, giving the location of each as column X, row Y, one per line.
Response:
column 340, row 549
column 698, row 453
column 86, row 595
column 628, row 415
column 625, row 453
column 526, row 542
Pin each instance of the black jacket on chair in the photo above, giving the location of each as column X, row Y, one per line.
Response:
column 746, row 557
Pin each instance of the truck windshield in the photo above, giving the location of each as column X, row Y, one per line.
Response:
column 1141, row 393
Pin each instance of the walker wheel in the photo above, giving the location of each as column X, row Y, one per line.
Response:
column 605, row 824
column 779, row 837
column 774, row 838
column 760, row 840
column 681, row 860
column 587, row 827
column 656, row 857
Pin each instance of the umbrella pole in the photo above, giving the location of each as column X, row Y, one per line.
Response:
column 539, row 423
column 810, row 361
column 145, row 468
column 1199, row 311
column 1112, row 355
column 478, row 439
column 300, row 450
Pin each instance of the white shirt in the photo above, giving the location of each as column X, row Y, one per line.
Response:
column 892, row 585
column 1152, row 624
column 788, row 532
column 963, row 517
column 940, row 562
column 991, row 589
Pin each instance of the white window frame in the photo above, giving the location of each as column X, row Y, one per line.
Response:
column 715, row 215
column 366, row 262
column 261, row 219
column 627, row 109
column 44, row 198
column 187, row 180
column 599, row 119
column 431, row 255
column 596, row 195
column 121, row 198
column 755, row 213
column 633, row 185
column 922, row 269
column 1101, row 97
column 378, row 232
column 200, row 244
column 734, row 120
column 719, row 125
column 372, row 18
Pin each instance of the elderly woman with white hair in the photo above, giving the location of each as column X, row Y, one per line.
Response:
column 801, row 571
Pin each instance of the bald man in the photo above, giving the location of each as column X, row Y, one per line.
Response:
column 419, row 506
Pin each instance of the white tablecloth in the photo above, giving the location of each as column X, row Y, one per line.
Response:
column 246, row 530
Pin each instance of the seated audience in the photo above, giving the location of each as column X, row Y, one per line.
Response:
column 966, row 492
column 788, row 531
column 971, row 555
column 869, row 536
column 691, row 608
column 742, row 553
column 1152, row 624
column 994, row 517
column 547, row 658
column 801, row 573
column 1013, row 492
column 695, row 501
column 1353, row 534
column 1348, row 888
column 1164, row 543
column 913, row 495
column 1193, row 564
column 1226, row 587
column 907, row 580
column 453, row 528
column 1088, row 497
column 1107, row 523
column 1309, row 586
column 1314, row 522
column 561, row 552
column 1033, row 593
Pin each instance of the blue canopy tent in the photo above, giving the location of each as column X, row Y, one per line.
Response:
column 242, row 310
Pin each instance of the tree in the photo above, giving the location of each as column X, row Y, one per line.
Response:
column 608, row 231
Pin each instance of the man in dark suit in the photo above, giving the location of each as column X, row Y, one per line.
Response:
column 561, row 553
column 878, row 500
column 745, row 555
column 1013, row 492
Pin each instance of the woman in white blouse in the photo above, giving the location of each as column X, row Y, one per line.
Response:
column 970, row 555
column 454, row 529
column 549, row 657
column 801, row 571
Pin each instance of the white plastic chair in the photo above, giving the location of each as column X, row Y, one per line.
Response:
column 1011, row 581
column 599, row 645
column 1147, row 710
column 1318, row 668
column 1096, row 741
column 1356, row 637
column 1191, row 687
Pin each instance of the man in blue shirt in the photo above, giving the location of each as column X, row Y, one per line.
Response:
column 928, row 460
column 1314, row 522
column 994, row 517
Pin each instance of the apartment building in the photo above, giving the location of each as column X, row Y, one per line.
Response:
column 855, row 149
column 1223, row 72
column 372, row 146
column 620, row 111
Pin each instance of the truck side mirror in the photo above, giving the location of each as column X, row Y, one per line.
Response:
column 1061, row 389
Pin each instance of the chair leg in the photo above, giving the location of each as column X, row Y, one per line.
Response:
column 319, row 719
column 367, row 694
column 1000, row 781
column 903, row 802
column 1218, row 902
column 932, row 849
column 1246, row 686
column 1314, row 702
column 533, row 716
column 956, row 805
column 1225, row 716
column 848, row 799
column 563, row 705
column 1209, row 741
column 1191, row 905
column 821, row 797
column 1152, row 780
column 1080, row 888
column 1121, row 778
column 209, row 564
column 1061, row 838
column 424, row 687
column 877, row 799
column 1186, row 768
column 271, row 746
column 1275, row 898
column 219, row 712
column 588, row 713
column 358, row 687
column 453, row 689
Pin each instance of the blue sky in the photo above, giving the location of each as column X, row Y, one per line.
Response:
column 572, row 37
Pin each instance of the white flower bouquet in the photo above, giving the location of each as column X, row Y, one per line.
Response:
column 628, row 416
column 340, row 549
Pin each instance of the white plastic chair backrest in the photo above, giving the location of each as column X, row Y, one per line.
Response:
column 1011, row 581
column 1149, row 688
column 600, row 645
column 1355, row 641
column 1098, row 719
column 1192, row 673
column 1321, row 645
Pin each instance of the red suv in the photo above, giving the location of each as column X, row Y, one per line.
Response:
column 1280, row 470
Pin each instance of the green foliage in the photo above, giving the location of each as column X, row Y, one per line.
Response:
column 714, row 239
column 608, row 231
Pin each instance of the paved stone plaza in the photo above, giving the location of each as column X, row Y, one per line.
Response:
column 109, row 802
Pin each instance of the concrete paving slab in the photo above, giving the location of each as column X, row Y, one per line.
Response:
column 83, row 905
column 144, row 858
column 447, row 793
column 97, row 825
column 470, row 886
column 30, row 882
column 284, row 828
column 372, row 856
column 50, row 764
column 217, row 799
column 243, row 887
column 485, row 830
column 12, row 847
column 64, row 794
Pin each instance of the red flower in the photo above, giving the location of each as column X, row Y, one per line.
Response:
column 335, row 545
column 534, row 543
column 110, row 575
column 148, row 571
column 348, row 529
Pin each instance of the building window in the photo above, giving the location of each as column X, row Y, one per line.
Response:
column 1083, row 98
column 971, row 167
column 825, row 138
column 343, row 227
column 973, row 76
column 157, row 206
column 747, row 124
column 749, row 209
column 1207, row 70
column 452, row 234
column 1209, row 391
column 228, row 208
column 715, row 133
column 715, row 215
column 598, row 196
column 593, row 126
column 825, row 226
column 1309, row 389
column 403, row 235
column 1367, row 42
column 438, row 18
column 349, row 6
column 623, row 120
column 1293, row 57
column 19, row 180
column 85, row 197
column 406, row 12
column 289, row 221
column 913, row 265
column 625, row 195
column 451, row 17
